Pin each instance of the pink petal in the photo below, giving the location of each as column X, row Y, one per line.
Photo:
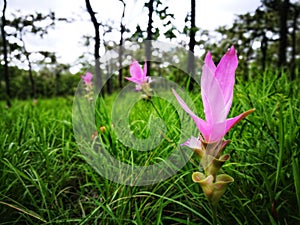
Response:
column 203, row 127
column 87, row 78
column 192, row 143
column 136, row 70
column 217, row 132
column 145, row 69
column 182, row 103
column 212, row 96
column 209, row 62
column 133, row 79
column 232, row 121
column 225, row 74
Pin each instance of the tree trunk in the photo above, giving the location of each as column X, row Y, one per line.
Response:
column 57, row 83
column 148, row 45
column 4, row 41
column 33, row 90
column 283, row 12
column 122, row 31
column 263, row 48
column 31, row 79
column 98, row 82
column 293, row 59
column 192, row 43
column 109, row 80
column 30, row 74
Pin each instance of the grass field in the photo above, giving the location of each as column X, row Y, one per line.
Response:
column 45, row 179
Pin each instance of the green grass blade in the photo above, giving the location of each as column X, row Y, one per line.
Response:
column 281, row 148
column 24, row 210
column 296, row 176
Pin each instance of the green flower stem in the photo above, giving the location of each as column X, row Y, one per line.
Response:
column 214, row 214
column 158, row 113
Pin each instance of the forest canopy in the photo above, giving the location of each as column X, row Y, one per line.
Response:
column 266, row 38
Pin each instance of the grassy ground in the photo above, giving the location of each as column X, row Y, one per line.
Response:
column 44, row 178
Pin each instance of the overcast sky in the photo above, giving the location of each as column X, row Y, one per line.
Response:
column 66, row 40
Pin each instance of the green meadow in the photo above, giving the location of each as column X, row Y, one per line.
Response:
column 45, row 178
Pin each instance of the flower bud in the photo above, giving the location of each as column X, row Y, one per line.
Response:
column 213, row 190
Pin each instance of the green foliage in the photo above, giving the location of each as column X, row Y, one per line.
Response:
column 264, row 149
column 20, row 26
column 46, row 81
column 160, row 12
column 45, row 180
column 257, row 37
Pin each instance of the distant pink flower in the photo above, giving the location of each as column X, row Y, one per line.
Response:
column 87, row 78
column 217, row 93
column 138, row 75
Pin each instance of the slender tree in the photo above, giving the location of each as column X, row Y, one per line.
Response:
column 27, row 55
column 155, row 8
column 192, row 43
column 264, row 48
column 283, row 16
column 106, row 29
column 96, row 25
column 22, row 25
column 121, row 42
column 4, row 42
column 296, row 13
column 149, row 35
column 59, row 69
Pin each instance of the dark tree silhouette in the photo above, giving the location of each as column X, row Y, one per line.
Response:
column 27, row 54
column 121, row 42
column 192, row 43
column 296, row 13
column 96, row 25
column 107, row 28
column 28, row 24
column 4, row 42
column 277, row 34
column 149, row 35
column 59, row 69
column 155, row 8
column 264, row 48
column 283, row 16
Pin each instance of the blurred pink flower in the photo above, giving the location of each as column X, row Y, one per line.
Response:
column 138, row 75
column 217, row 93
column 87, row 78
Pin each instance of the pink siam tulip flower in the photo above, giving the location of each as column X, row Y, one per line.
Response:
column 217, row 93
column 87, row 79
column 138, row 76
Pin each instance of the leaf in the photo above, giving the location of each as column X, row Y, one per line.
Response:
column 24, row 210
